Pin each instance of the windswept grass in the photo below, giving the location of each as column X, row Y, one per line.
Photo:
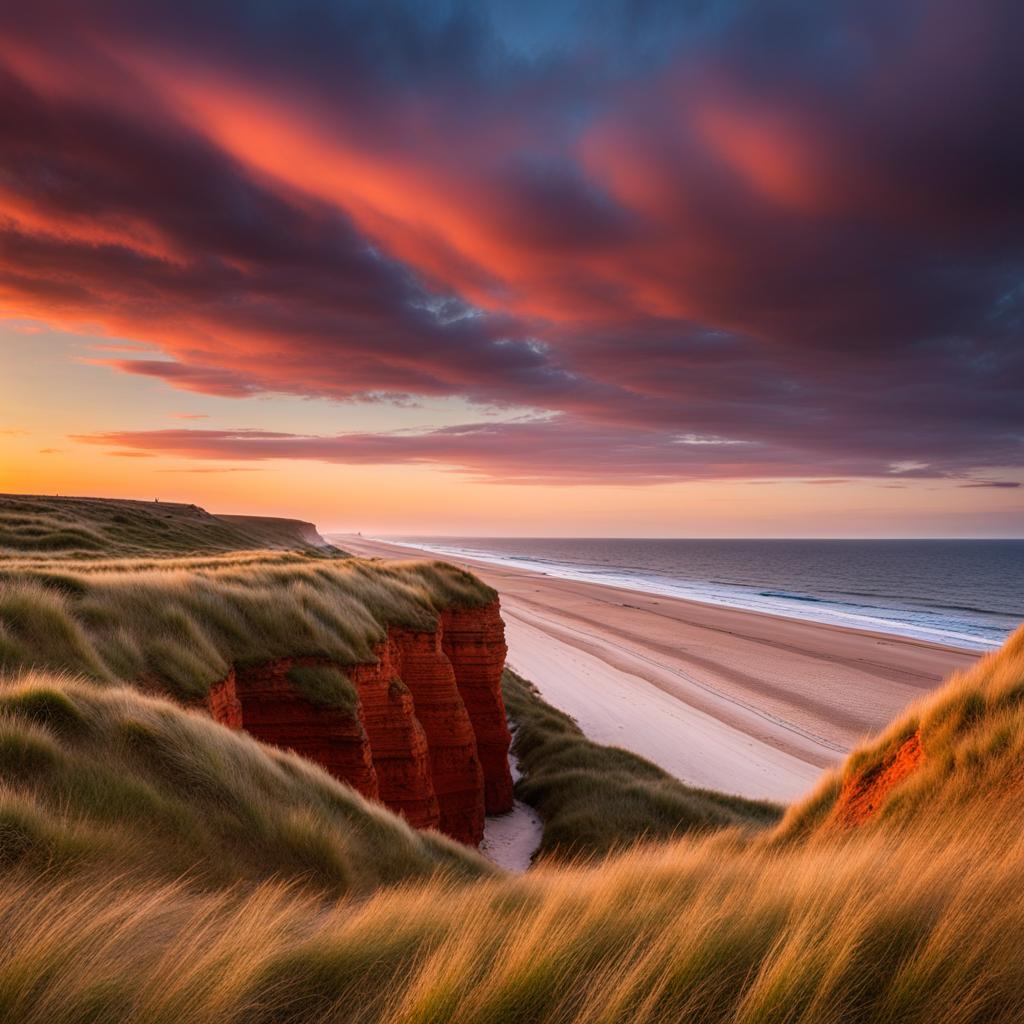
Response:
column 111, row 781
column 179, row 625
column 595, row 799
column 103, row 527
column 913, row 929
column 916, row 924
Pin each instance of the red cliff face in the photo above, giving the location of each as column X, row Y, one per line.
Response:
column 429, row 737
column 474, row 640
column 397, row 741
column 458, row 778
column 275, row 712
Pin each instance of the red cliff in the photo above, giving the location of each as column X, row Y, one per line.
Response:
column 458, row 778
column 428, row 738
column 274, row 711
column 474, row 640
column 397, row 741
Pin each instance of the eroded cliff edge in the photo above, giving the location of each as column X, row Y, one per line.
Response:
column 428, row 736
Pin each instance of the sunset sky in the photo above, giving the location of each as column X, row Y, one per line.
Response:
column 551, row 268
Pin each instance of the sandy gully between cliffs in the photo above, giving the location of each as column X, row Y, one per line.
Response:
column 429, row 737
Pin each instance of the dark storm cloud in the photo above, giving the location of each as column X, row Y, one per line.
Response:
column 795, row 226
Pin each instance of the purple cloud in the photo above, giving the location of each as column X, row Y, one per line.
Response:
column 651, row 223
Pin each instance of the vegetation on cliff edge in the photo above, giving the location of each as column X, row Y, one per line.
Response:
column 86, row 528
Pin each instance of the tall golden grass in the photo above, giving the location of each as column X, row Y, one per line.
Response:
column 916, row 918
column 923, row 927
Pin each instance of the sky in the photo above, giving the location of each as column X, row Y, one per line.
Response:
column 560, row 268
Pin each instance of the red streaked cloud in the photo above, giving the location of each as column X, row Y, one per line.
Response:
column 807, row 243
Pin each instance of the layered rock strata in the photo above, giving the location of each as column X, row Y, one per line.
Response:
column 474, row 641
column 274, row 711
column 398, row 744
column 428, row 738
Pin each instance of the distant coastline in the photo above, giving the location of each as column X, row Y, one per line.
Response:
column 885, row 586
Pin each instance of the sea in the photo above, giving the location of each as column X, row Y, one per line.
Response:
column 965, row 593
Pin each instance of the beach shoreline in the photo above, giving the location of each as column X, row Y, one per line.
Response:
column 788, row 599
column 735, row 700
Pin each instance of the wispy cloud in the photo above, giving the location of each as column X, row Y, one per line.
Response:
column 993, row 483
column 653, row 224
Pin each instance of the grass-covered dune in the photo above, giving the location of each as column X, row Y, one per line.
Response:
column 916, row 918
column 112, row 527
column 595, row 799
column 114, row 783
column 171, row 597
column 178, row 625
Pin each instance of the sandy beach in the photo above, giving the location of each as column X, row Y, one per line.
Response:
column 737, row 701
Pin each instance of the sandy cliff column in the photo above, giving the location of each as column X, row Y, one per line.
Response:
column 474, row 640
column 401, row 755
column 458, row 778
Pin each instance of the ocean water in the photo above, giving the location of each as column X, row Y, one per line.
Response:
column 966, row 593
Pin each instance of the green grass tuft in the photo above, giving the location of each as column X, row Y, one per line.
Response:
column 325, row 685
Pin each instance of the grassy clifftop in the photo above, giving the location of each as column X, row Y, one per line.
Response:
column 169, row 597
column 118, row 528
column 179, row 625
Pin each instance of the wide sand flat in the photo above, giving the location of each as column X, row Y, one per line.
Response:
column 732, row 700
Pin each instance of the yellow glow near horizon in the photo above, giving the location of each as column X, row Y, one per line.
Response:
column 47, row 394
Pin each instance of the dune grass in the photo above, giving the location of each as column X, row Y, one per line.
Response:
column 864, row 928
column 594, row 799
column 110, row 780
column 178, row 625
column 104, row 527
column 915, row 919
